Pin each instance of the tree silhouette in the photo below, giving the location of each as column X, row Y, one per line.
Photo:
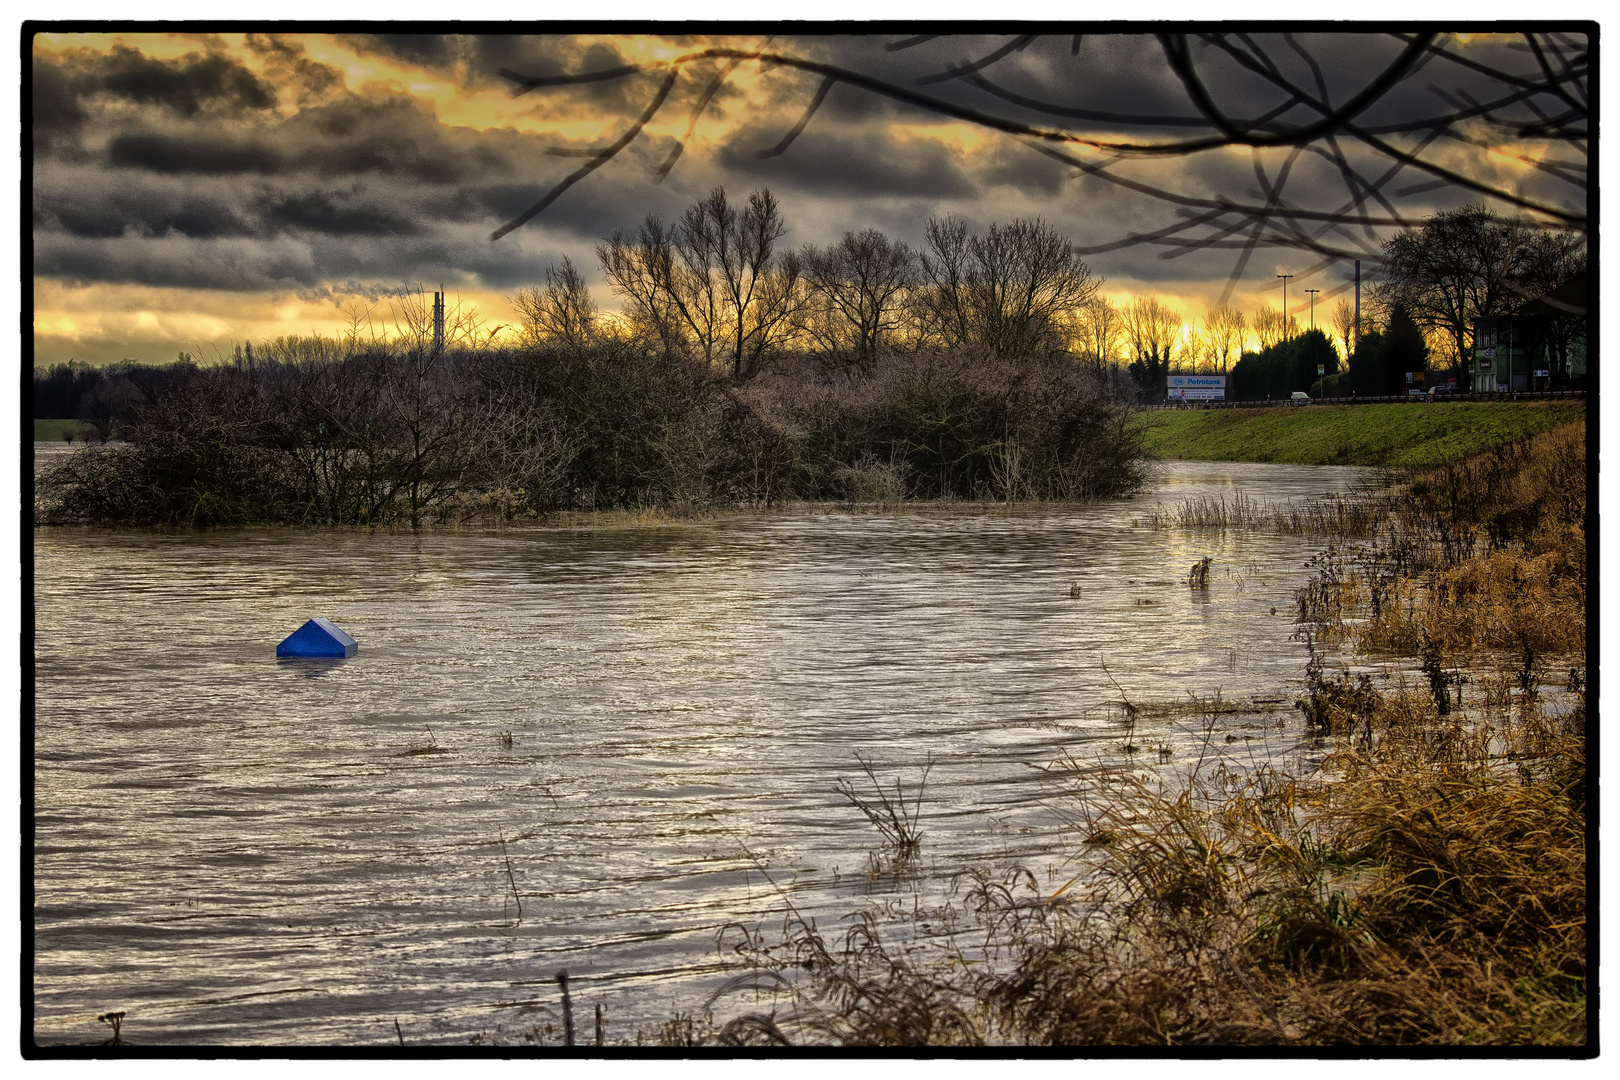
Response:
column 1007, row 291
column 712, row 283
column 858, row 290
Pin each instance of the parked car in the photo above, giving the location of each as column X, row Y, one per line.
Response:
column 1299, row 397
column 1443, row 391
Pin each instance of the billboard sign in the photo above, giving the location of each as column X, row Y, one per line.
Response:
column 1195, row 388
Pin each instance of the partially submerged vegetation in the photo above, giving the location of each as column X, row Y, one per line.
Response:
column 316, row 434
column 1423, row 884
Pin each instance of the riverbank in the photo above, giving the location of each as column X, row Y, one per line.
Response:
column 1389, row 435
column 1419, row 881
column 59, row 430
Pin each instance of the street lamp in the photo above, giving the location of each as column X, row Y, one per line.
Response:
column 1285, row 278
column 1313, row 293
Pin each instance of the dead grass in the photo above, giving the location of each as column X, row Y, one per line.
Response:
column 1332, row 515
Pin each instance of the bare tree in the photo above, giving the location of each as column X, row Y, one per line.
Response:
column 1099, row 331
column 1008, row 291
column 1272, row 327
column 562, row 312
column 858, row 289
column 1225, row 326
column 1455, row 268
column 1550, row 292
column 712, row 283
column 1201, row 352
column 1344, row 326
column 666, row 300
column 1153, row 330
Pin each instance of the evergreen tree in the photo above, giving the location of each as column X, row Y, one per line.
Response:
column 1364, row 362
column 1382, row 361
column 1404, row 350
column 1308, row 351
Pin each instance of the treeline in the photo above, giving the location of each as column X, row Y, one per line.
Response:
column 101, row 397
column 740, row 374
column 718, row 287
column 398, row 432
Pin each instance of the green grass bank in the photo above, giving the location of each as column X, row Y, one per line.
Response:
column 56, row 430
column 1390, row 434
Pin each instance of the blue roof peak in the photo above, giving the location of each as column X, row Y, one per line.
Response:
column 318, row 638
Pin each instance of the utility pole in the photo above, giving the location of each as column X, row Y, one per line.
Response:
column 1313, row 293
column 1358, row 305
column 1285, row 278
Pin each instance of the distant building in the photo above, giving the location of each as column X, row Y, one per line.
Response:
column 1543, row 347
column 1502, row 357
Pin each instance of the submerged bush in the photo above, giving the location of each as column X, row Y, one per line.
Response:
column 391, row 434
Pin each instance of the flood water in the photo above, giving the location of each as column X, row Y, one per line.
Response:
column 239, row 850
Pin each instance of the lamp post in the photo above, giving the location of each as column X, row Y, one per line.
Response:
column 1285, row 278
column 1313, row 293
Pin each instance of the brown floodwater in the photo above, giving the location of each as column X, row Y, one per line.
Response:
column 234, row 849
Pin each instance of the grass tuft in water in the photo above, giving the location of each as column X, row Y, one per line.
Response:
column 890, row 815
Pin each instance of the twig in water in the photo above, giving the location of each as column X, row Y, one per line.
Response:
column 1130, row 710
column 568, row 1008
column 601, row 1028
column 511, row 879
column 398, row 1032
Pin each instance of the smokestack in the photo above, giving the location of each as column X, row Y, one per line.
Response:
column 438, row 319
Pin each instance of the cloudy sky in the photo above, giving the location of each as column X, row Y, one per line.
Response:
column 191, row 191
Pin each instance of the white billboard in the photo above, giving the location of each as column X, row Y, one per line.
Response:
column 1195, row 388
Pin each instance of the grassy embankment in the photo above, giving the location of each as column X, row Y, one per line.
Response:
column 1424, row 885
column 58, row 430
column 1390, row 434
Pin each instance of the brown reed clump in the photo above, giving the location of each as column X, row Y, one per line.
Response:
column 1427, row 887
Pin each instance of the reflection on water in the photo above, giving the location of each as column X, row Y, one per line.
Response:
column 236, row 849
column 310, row 667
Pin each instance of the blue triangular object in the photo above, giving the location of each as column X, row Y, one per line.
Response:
column 318, row 638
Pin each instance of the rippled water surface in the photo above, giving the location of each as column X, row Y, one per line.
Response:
column 235, row 849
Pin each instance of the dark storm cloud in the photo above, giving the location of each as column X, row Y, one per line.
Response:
column 1128, row 75
column 859, row 162
column 335, row 215
column 349, row 187
column 221, row 155
column 348, row 137
column 104, row 207
column 67, row 90
column 1124, row 74
column 55, row 101
column 285, row 62
column 186, row 86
